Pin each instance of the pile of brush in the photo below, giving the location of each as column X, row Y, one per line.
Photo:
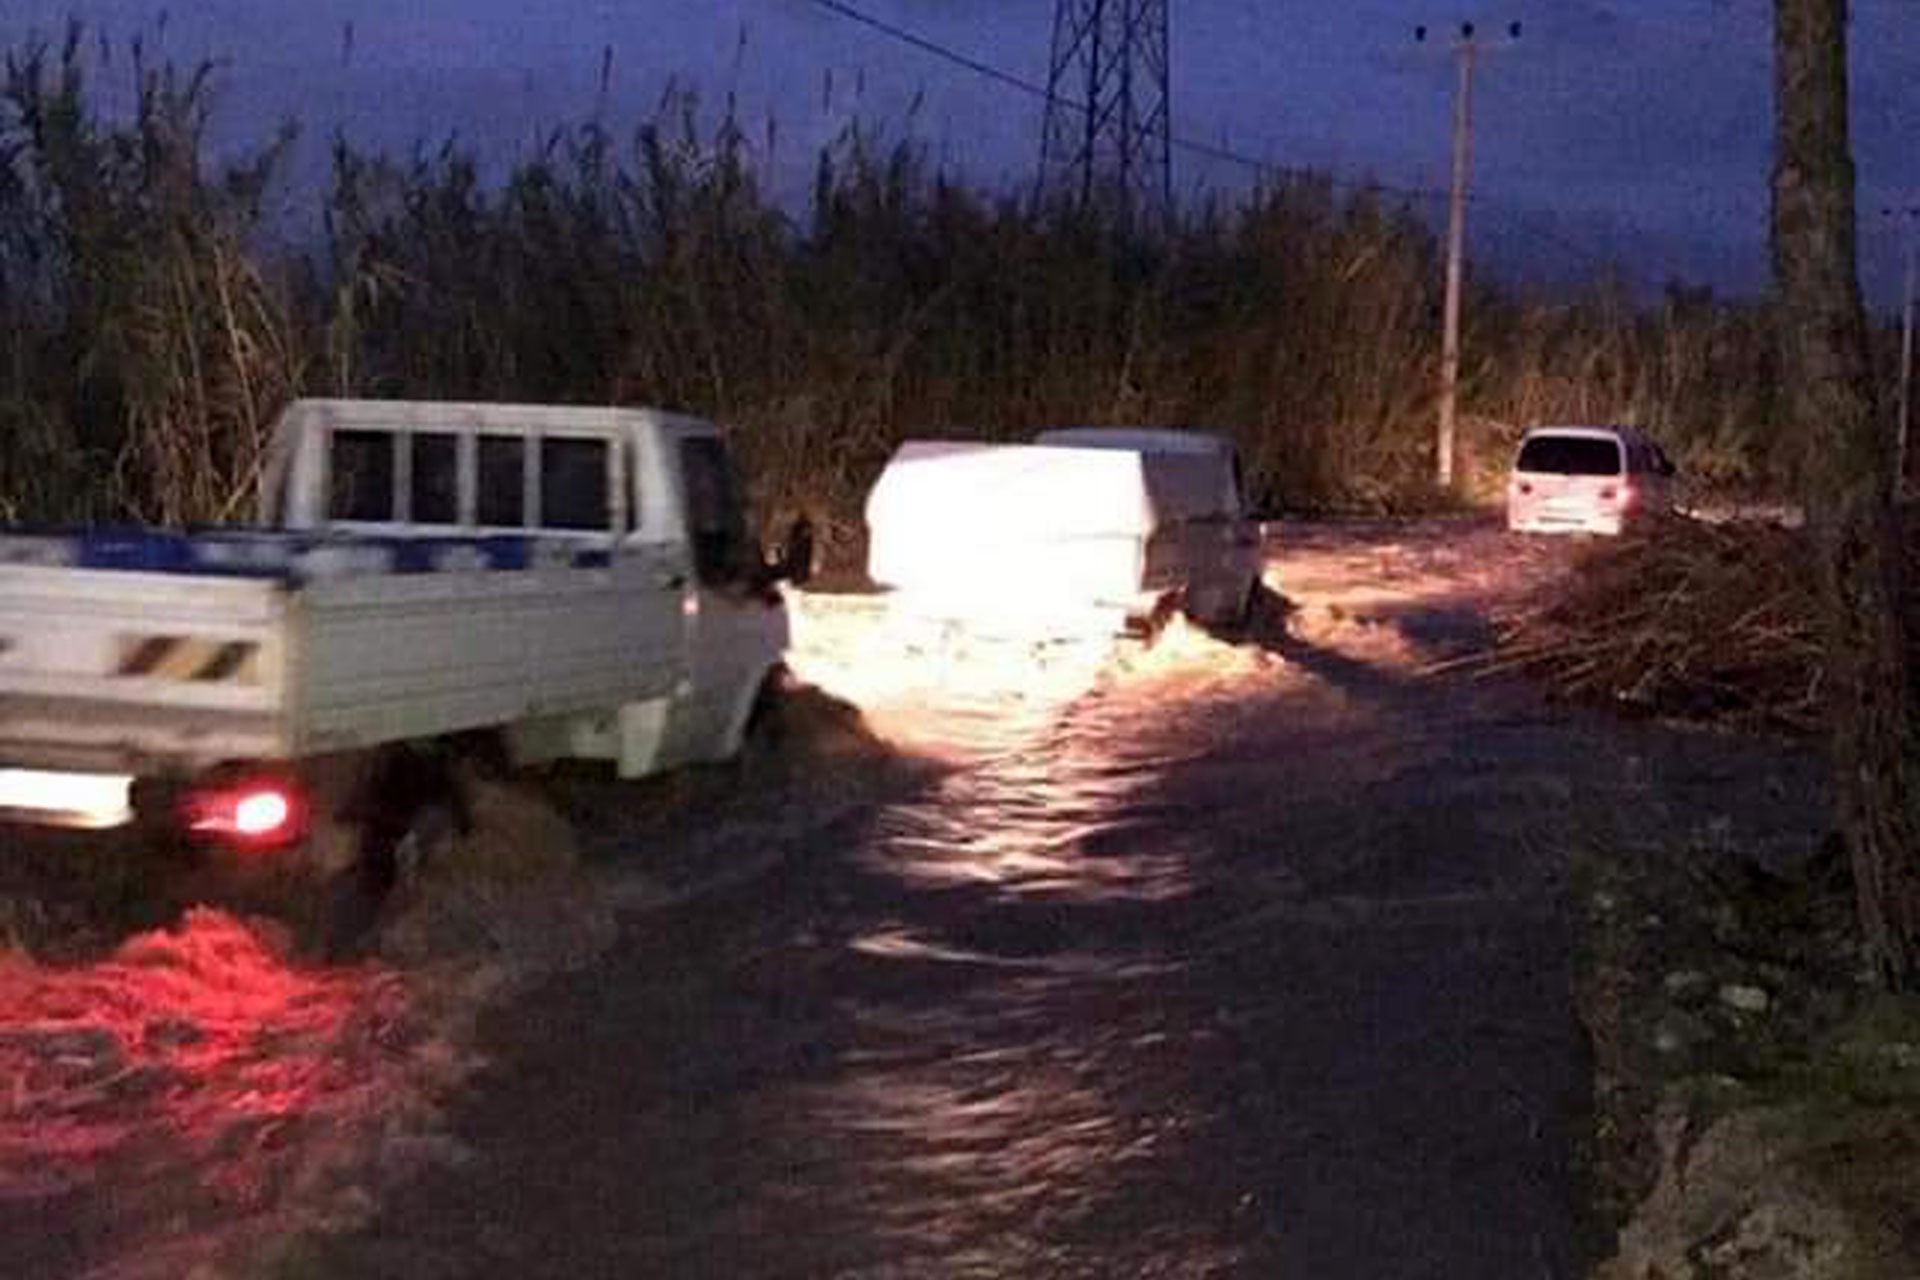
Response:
column 1692, row 620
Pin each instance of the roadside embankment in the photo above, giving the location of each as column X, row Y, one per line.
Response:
column 1757, row 1100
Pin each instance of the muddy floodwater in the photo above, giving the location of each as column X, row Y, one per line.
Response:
column 1232, row 957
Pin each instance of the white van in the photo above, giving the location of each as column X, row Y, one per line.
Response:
column 1577, row 479
column 1082, row 527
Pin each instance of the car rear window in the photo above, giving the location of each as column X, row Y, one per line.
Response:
column 1569, row 456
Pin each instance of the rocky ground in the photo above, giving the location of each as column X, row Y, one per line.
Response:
column 1755, row 1099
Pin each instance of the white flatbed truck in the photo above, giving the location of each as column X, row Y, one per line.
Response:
column 560, row 582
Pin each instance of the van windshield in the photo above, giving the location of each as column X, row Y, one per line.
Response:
column 1569, row 456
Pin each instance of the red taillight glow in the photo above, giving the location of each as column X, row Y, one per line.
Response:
column 256, row 813
column 262, row 813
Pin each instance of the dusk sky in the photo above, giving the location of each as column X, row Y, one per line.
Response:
column 1635, row 130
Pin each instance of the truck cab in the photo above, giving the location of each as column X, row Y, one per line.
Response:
column 649, row 499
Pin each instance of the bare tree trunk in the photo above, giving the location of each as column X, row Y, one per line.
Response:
column 1848, row 474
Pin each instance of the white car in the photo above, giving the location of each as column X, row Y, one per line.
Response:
column 1579, row 479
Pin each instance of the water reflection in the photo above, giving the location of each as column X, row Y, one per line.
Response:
column 1136, row 988
column 194, row 1090
column 1017, row 1092
column 1132, row 988
column 1054, row 802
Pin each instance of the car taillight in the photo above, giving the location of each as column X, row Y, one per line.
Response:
column 1522, row 487
column 263, row 813
column 1621, row 496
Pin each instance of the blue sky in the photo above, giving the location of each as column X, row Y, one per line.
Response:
column 1631, row 129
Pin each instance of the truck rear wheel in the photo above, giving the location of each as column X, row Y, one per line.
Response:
column 1225, row 608
column 757, row 746
column 413, row 805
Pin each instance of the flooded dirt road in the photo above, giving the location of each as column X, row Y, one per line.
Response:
column 1222, row 959
column 1243, row 961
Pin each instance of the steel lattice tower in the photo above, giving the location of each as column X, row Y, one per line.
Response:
column 1110, row 107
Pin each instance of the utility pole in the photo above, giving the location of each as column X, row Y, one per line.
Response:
column 1467, row 48
column 1903, row 424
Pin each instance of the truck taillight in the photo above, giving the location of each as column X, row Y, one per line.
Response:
column 261, row 813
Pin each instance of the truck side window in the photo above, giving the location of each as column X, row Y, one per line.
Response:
column 362, row 476
column 573, row 484
column 436, row 479
column 503, row 494
column 716, row 525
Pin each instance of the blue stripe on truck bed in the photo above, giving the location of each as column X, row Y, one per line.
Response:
column 289, row 557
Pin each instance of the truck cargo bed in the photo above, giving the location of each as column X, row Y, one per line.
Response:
column 132, row 650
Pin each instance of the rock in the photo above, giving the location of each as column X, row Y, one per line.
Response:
column 1686, row 985
column 1902, row 1057
column 1679, row 1031
column 173, row 1033
column 1745, row 999
column 67, row 1044
column 1773, row 1240
column 1728, row 929
column 1737, row 1202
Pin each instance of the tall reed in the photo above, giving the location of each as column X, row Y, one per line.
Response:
column 153, row 319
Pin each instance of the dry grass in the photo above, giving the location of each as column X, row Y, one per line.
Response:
column 1692, row 620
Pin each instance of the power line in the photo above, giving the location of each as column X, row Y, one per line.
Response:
column 1191, row 146
column 1516, row 219
column 937, row 50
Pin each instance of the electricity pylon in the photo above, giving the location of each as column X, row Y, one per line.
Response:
column 1110, row 107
